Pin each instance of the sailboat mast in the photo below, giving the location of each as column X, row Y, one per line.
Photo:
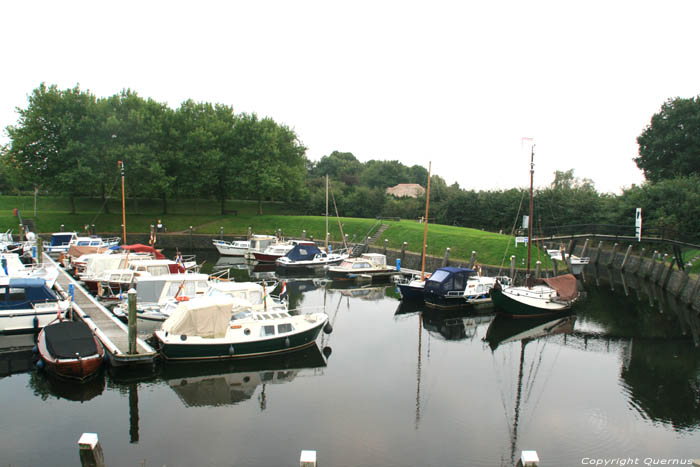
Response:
column 326, row 212
column 425, row 221
column 529, row 219
column 121, row 167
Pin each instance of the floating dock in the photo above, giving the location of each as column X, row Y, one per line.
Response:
column 113, row 334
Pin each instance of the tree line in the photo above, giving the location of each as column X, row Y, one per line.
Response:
column 68, row 142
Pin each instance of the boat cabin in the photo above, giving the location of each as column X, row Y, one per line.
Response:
column 161, row 289
column 155, row 267
column 448, row 281
column 304, row 252
column 23, row 293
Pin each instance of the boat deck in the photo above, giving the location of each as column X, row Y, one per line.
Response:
column 108, row 328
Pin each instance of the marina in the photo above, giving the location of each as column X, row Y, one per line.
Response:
column 395, row 383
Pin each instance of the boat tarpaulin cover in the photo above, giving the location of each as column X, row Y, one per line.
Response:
column 140, row 248
column 565, row 285
column 77, row 251
column 303, row 252
column 203, row 316
column 65, row 339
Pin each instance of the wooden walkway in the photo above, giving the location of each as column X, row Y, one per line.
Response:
column 108, row 328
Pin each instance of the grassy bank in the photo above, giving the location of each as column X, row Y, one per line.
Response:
column 205, row 218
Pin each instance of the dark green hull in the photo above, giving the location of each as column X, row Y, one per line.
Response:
column 184, row 351
column 516, row 309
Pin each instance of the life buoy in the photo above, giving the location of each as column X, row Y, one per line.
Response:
column 182, row 299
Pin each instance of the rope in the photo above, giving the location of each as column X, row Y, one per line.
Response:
column 512, row 231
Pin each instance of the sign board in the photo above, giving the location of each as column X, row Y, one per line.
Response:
column 638, row 224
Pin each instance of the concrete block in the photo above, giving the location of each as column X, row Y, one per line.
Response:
column 307, row 459
column 529, row 458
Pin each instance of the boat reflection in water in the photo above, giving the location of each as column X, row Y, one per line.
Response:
column 47, row 385
column 230, row 382
column 504, row 330
column 454, row 325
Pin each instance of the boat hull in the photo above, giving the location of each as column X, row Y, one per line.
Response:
column 411, row 292
column 79, row 369
column 224, row 350
column 520, row 306
column 265, row 257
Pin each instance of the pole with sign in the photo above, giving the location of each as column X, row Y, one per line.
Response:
column 638, row 224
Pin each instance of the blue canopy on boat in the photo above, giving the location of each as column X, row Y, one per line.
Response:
column 59, row 239
column 19, row 293
column 303, row 252
column 448, row 279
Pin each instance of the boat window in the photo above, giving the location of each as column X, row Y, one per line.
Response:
column 268, row 330
column 158, row 270
column 285, row 327
column 241, row 315
column 267, row 376
column 266, row 316
column 302, row 251
column 126, row 277
column 438, row 276
column 114, row 277
column 458, row 283
column 18, row 294
column 3, row 294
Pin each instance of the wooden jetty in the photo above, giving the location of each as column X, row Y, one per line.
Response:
column 113, row 334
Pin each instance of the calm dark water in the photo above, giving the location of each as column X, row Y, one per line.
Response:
column 401, row 386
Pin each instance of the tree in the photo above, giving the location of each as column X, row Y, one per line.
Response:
column 52, row 145
column 670, row 145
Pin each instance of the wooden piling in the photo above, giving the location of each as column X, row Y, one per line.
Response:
column 446, row 259
column 660, row 272
column 250, row 233
column 627, row 255
column 472, row 260
column 555, row 267
column 386, row 242
column 597, row 253
column 512, row 267
column 221, row 233
column 585, row 248
column 90, row 449
column 132, row 320
column 650, row 268
column 538, row 270
column 403, row 252
column 303, row 234
column 613, row 254
column 641, row 261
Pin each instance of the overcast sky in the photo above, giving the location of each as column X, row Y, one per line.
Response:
column 458, row 83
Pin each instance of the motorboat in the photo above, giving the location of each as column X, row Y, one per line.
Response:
column 60, row 242
column 70, row 350
column 27, row 304
column 250, row 296
column 309, row 256
column 577, row 263
column 371, row 265
column 203, row 328
column 234, row 248
column 11, row 265
column 154, row 293
column 275, row 251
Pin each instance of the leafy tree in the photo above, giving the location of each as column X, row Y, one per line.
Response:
column 670, row 145
column 52, row 144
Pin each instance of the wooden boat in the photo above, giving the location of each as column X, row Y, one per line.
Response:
column 70, row 350
column 204, row 329
column 538, row 297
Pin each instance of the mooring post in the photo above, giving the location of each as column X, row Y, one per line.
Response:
column 190, row 237
column 627, row 255
column 597, row 253
column 250, row 232
column 613, row 254
column 650, row 268
column 90, row 450
column 346, row 239
column 62, row 227
column 667, row 276
column 555, row 267
column 472, row 260
column 403, row 252
column 221, row 232
column 585, row 248
column 446, row 259
column 386, row 242
column 641, row 261
column 660, row 272
column 303, row 234
column 132, row 320
column 512, row 267
column 39, row 250
column 307, row 459
column 529, row 459
column 538, row 270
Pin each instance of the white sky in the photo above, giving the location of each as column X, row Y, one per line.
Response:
column 457, row 83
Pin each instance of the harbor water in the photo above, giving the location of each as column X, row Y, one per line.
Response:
column 394, row 384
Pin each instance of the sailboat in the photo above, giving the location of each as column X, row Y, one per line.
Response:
column 414, row 287
column 538, row 297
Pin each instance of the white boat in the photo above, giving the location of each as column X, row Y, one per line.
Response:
column 27, row 305
column 577, row 263
column 61, row 241
column 250, row 296
column 204, row 329
column 368, row 264
column 277, row 250
column 153, row 294
column 309, row 256
column 234, row 248
column 11, row 265
column 259, row 243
